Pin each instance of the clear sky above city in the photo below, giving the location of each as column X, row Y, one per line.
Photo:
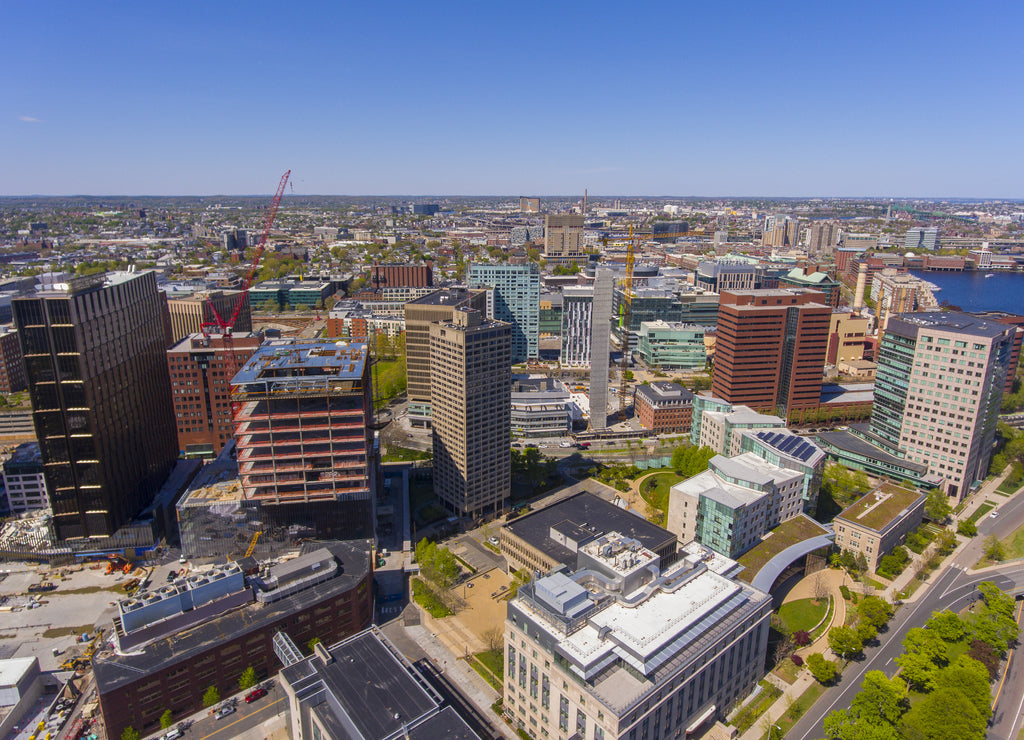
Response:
column 534, row 98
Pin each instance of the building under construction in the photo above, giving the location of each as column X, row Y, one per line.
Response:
column 303, row 428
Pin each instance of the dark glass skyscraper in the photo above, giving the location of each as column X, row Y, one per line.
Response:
column 101, row 397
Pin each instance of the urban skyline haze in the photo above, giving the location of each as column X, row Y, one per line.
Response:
column 899, row 99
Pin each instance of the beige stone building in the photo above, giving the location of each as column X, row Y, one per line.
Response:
column 563, row 238
column 879, row 521
column 470, row 402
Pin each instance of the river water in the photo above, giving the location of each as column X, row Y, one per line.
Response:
column 973, row 291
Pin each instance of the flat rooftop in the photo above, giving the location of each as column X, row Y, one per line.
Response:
column 298, row 359
column 588, row 512
column 908, row 324
column 113, row 670
column 444, row 297
column 881, row 506
column 789, row 533
column 367, row 692
column 848, row 392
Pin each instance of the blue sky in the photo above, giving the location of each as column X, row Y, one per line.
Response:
column 538, row 98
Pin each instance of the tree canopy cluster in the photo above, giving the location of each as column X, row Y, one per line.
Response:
column 957, row 701
column 437, row 564
column 689, row 461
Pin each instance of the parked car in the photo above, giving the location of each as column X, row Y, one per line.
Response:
column 224, row 712
column 173, row 734
column 255, row 694
column 493, row 541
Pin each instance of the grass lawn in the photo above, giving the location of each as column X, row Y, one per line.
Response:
column 915, row 583
column 493, row 659
column 981, row 511
column 802, row 614
column 658, row 495
column 804, row 702
column 425, row 597
column 873, row 583
column 402, row 454
column 827, row 621
column 747, row 716
column 1014, row 545
column 787, row 671
column 1013, row 481
column 65, row 631
column 490, row 665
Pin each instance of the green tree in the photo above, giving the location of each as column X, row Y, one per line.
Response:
column 688, row 461
column 844, row 724
column 942, row 715
column 248, row 679
column 994, row 549
column 927, row 643
column 917, row 670
column 866, row 632
column 844, row 642
column 824, row 671
column 967, row 528
column 166, row 719
column 211, row 696
column 881, row 699
column 947, row 625
column 875, row 611
column 130, row 733
column 313, row 642
column 970, row 679
column 993, row 621
column 937, row 506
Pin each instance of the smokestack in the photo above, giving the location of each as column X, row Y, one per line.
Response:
column 584, row 201
column 862, row 279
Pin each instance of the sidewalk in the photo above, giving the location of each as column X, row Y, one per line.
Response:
column 780, row 707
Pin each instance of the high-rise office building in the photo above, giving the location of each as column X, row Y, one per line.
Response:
column 189, row 314
column 921, row 238
column 101, row 397
column 201, row 369
column 304, row 434
column 563, row 238
column 823, row 237
column 514, row 297
column 600, row 347
column 577, row 325
column 771, row 348
column 938, row 392
column 419, row 315
column 780, row 231
column 470, row 400
column 12, row 364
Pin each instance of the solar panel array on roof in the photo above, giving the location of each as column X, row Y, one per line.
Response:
column 791, row 444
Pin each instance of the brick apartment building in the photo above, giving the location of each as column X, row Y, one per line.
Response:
column 201, row 369
column 665, row 408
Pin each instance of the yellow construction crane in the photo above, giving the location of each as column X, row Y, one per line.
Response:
column 626, row 309
column 252, row 545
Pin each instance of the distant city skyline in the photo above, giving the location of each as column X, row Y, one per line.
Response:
column 906, row 100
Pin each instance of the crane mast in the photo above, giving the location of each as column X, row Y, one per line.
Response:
column 219, row 325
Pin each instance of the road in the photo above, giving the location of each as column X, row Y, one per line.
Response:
column 203, row 726
column 953, row 588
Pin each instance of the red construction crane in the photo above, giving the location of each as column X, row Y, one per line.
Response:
column 218, row 325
